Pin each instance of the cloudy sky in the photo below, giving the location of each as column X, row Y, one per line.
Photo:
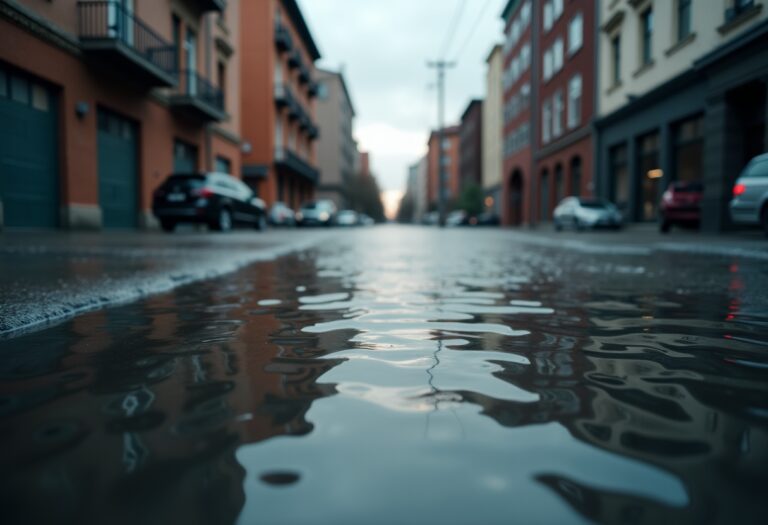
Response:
column 383, row 47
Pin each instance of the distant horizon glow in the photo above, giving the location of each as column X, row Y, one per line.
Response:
column 383, row 52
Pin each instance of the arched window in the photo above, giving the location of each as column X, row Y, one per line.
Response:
column 544, row 195
column 559, row 184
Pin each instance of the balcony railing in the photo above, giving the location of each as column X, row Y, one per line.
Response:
column 287, row 160
column 739, row 8
column 211, row 5
column 294, row 60
column 126, row 43
column 283, row 39
column 198, row 97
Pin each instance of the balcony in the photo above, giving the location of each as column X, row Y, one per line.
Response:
column 314, row 89
column 211, row 5
column 284, row 99
column 283, row 39
column 289, row 162
column 294, row 60
column 740, row 12
column 304, row 75
column 198, row 99
column 118, row 41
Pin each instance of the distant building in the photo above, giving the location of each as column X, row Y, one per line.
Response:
column 493, row 124
column 682, row 95
column 471, row 145
column 336, row 147
column 416, row 188
column 563, row 147
column 364, row 163
column 100, row 101
column 446, row 153
column 277, row 59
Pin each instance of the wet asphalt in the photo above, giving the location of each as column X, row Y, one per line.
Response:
column 399, row 375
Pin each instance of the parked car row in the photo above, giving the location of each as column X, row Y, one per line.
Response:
column 222, row 201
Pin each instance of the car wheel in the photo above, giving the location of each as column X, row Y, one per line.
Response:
column 168, row 226
column 261, row 223
column 665, row 226
column 558, row 226
column 580, row 226
column 223, row 222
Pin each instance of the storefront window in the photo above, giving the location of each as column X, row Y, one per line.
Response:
column 689, row 149
column 650, row 175
column 620, row 177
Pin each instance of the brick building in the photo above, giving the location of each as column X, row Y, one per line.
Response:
column 565, row 54
column 99, row 101
column 518, row 77
column 471, row 145
column 278, row 93
column 448, row 154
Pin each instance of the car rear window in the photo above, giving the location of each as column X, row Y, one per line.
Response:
column 310, row 206
column 757, row 169
column 693, row 187
column 187, row 181
column 594, row 204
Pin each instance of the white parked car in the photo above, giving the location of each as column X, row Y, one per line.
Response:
column 749, row 205
column 347, row 218
column 586, row 213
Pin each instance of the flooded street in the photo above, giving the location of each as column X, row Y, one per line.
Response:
column 407, row 376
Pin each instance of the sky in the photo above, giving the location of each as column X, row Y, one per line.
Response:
column 382, row 47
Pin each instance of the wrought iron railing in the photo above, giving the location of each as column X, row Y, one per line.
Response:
column 193, row 85
column 296, row 164
column 110, row 20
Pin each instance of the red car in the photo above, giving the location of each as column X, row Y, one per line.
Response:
column 681, row 205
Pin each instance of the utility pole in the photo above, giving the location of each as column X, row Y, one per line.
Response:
column 441, row 66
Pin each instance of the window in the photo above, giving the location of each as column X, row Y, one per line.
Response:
column 278, row 133
column 576, row 176
column 546, row 121
column 547, row 64
column 3, row 84
column 525, row 13
column 446, row 144
column 40, row 98
column 576, row 33
column 525, row 95
column 683, row 19
column 646, row 46
column 19, row 89
column 221, row 72
column 557, row 114
column 557, row 9
column 322, row 91
column 574, row 102
column 616, row 59
column 548, row 16
column 223, row 165
column 525, row 56
column 557, row 55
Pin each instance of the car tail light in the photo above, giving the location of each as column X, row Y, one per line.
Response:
column 203, row 192
column 739, row 189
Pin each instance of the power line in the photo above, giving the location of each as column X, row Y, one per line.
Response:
column 452, row 28
column 474, row 28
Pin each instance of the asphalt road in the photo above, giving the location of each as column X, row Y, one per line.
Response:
column 391, row 375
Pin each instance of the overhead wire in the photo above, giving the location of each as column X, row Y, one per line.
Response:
column 452, row 28
column 473, row 30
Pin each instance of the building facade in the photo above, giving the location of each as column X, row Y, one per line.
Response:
column 681, row 92
column 100, row 101
column 446, row 153
column 563, row 146
column 518, row 77
column 493, row 114
column 471, row 146
column 336, row 147
column 278, row 91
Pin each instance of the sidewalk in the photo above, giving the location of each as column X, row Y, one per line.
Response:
column 46, row 276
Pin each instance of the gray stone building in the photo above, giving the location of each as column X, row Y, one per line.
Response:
column 681, row 95
column 336, row 149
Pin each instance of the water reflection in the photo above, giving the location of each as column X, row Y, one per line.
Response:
column 443, row 379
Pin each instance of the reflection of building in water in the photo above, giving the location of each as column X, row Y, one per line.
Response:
column 135, row 412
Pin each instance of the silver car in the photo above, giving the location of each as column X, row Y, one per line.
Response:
column 749, row 205
column 581, row 213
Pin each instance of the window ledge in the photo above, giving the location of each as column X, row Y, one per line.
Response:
column 645, row 67
column 615, row 87
column 575, row 52
column 739, row 19
column 680, row 44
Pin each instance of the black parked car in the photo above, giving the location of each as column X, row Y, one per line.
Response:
column 215, row 199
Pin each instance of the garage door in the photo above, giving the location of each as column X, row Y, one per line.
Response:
column 29, row 182
column 118, row 173
column 184, row 157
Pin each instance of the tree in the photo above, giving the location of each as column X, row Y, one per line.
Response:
column 364, row 196
column 471, row 200
column 406, row 209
